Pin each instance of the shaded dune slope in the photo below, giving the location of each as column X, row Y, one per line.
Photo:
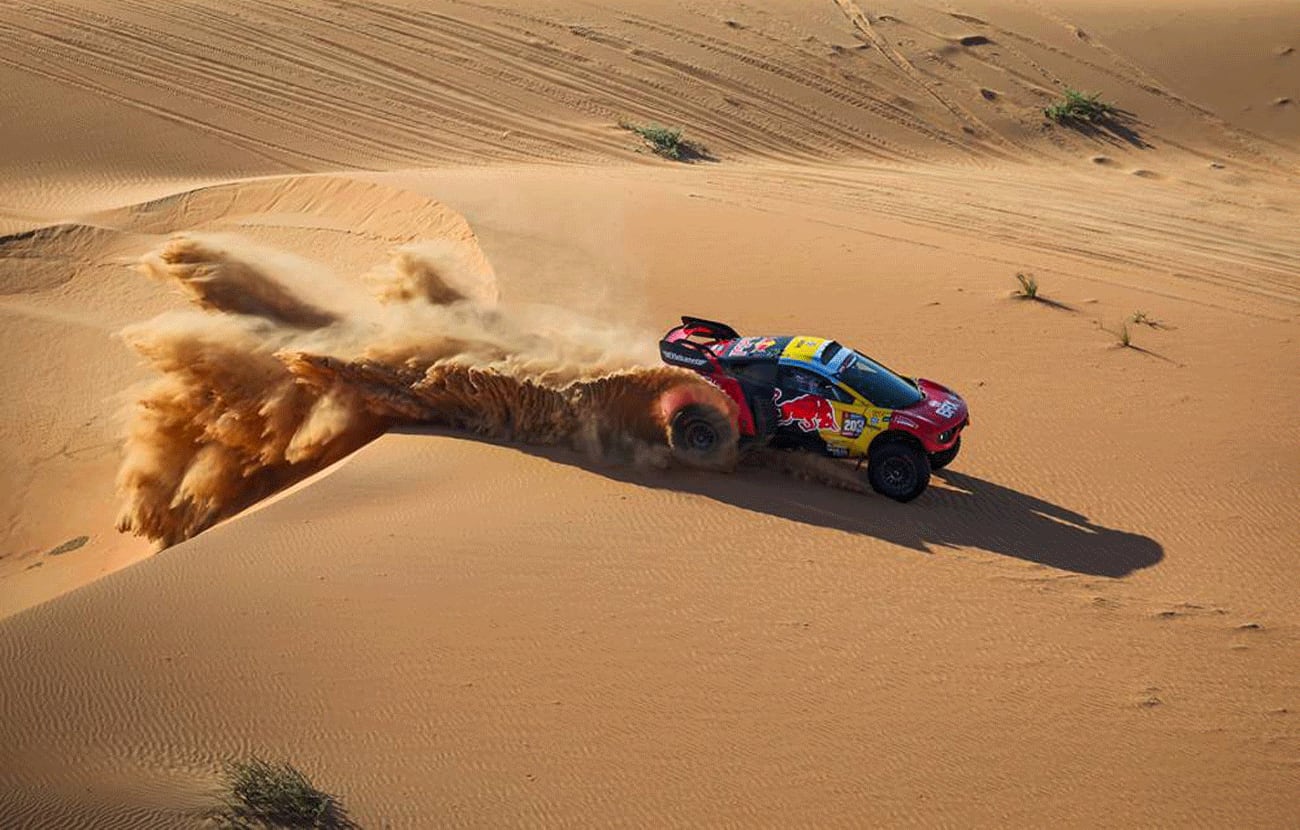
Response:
column 66, row 291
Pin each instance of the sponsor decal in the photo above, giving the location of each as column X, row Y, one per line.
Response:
column 837, row 452
column 841, row 357
column 747, row 346
column 809, row 413
column 853, row 424
column 947, row 409
column 875, row 420
column 685, row 359
column 904, row 422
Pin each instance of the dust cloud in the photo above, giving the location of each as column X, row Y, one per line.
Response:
column 283, row 368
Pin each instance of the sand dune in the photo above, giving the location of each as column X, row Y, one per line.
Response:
column 524, row 616
column 610, row 656
column 72, row 288
column 182, row 90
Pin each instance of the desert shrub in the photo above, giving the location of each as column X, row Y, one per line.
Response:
column 266, row 794
column 665, row 141
column 1028, row 286
column 1123, row 336
column 1141, row 318
column 1079, row 106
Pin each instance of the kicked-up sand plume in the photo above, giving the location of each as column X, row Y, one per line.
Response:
column 286, row 369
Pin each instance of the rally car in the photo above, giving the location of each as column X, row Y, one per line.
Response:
column 814, row 394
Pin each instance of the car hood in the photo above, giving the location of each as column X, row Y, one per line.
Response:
column 941, row 408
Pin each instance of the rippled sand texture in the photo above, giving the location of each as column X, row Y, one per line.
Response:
column 388, row 279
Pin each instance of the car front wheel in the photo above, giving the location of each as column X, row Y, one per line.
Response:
column 898, row 470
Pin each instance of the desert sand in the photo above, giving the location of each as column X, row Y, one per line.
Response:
column 504, row 618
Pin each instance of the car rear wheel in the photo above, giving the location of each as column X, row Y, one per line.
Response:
column 941, row 459
column 898, row 470
column 702, row 436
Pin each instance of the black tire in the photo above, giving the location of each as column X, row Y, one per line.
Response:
column 939, row 460
column 702, row 436
column 899, row 470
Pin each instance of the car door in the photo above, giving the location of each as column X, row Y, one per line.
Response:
column 812, row 408
column 860, row 422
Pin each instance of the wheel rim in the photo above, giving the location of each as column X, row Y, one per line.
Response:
column 898, row 473
column 700, row 436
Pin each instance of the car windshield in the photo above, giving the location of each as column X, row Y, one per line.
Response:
column 877, row 384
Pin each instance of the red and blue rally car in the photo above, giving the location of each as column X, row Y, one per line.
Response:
column 814, row 394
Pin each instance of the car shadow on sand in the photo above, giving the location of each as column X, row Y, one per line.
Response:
column 958, row 511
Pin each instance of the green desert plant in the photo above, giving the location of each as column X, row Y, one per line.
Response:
column 265, row 794
column 1141, row 318
column 1122, row 334
column 664, row 141
column 1079, row 106
column 1028, row 286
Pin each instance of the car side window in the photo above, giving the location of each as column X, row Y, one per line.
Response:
column 796, row 381
column 837, row 394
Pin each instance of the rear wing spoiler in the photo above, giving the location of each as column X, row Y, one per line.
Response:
column 679, row 349
column 699, row 327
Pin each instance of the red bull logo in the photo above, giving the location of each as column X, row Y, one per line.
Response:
column 750, row 346
column 809, row 413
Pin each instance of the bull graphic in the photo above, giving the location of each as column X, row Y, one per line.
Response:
column 747, row 346
column 810, row 413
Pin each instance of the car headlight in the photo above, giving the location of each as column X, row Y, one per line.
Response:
column 944, row 436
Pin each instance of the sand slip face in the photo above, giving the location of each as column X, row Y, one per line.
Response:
column 1093, row 614
column 69, row 291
